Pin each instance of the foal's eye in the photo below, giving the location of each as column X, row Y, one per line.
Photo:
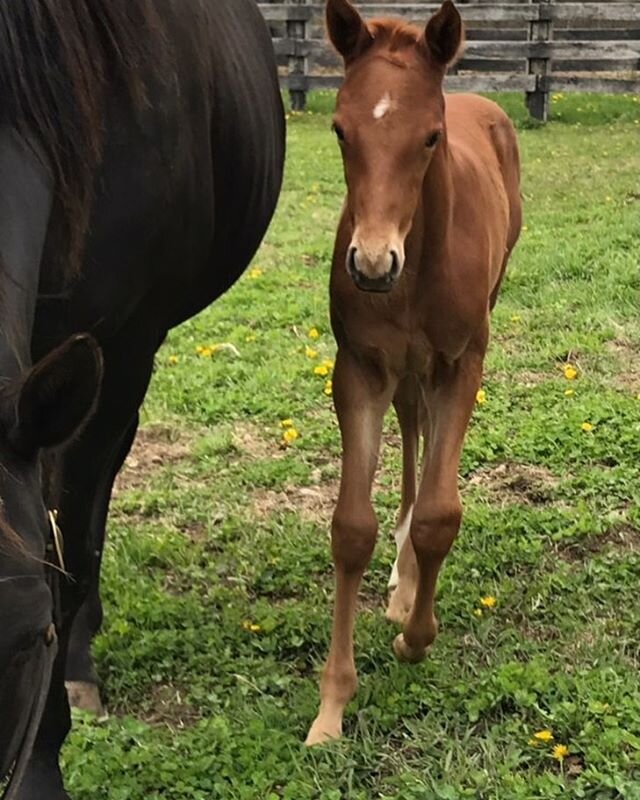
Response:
column 338, row 132
column 433, row 139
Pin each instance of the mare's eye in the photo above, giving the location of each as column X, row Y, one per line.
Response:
column 338, row 132
column 433, row 139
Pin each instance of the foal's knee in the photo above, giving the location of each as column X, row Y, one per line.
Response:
column 353, row 537
column 433, row 530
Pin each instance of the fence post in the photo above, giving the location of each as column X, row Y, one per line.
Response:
column 540, row 30
column 297, row 67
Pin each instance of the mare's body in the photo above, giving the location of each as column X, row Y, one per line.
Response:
column 432, row 213
column 187, row 182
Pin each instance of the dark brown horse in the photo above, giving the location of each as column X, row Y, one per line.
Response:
column 432, row 214
column 141, row 157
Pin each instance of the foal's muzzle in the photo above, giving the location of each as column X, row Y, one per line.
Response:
column 366, row 283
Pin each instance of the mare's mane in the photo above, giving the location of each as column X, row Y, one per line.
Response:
column 59, row 60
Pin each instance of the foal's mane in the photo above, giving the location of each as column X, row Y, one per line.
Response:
column 59, row 59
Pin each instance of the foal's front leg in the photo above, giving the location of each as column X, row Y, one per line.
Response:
column 361, row 401
column 438, row 512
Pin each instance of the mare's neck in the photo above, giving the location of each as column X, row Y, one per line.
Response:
column 26, row 197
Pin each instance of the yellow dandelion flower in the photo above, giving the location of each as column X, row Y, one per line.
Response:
column 489, row 601
column 328, row 388
column 569, row 392
column 290, row 435
column 477, row 612
column 173, row 359
column 251, row 626
column 516, row 318
column 329, row 364
column 322, row 370
column 543, row 736
column 570, row 372
column 286, row 423
column 314, row 333
column 587, row 427
column 256, row 273
column 205, row 352
column 560, row 751
column 310, row 352
column 481, row 397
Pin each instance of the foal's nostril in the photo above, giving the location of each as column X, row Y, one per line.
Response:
column 351, row 261
column 395, row 266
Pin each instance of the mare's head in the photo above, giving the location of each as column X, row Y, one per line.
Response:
column 389, row 121
column 41, row 408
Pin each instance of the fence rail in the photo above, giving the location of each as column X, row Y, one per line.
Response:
column 534, row 46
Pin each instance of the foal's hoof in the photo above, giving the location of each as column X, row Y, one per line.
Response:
column 410, row 655
column 85, row 696
column 322, row 732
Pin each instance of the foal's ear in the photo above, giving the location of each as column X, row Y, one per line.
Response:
column 444, row 34
column 58, row 395
column 347, row 30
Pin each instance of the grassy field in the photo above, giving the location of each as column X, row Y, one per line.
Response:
column 218, row 579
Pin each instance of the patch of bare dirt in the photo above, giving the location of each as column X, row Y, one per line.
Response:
column 168, row 707
column 155, row 447
column 516, row 483
column 623, row 539
column 312, row 503
column 252, row 441
column 627, row 354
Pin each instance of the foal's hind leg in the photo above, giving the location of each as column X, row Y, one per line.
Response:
column 438, row 512
column 360, row 403
column 404, row 575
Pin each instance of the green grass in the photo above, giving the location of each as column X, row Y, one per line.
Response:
column 229, row 530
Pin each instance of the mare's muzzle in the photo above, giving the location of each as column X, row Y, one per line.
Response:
column 28, row 646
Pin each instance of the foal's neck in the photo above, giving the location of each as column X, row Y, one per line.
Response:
column 436, row 208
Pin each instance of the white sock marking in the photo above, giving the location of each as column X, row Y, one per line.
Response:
column 400, row 534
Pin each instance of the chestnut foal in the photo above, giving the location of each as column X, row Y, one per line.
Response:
column 431, row 216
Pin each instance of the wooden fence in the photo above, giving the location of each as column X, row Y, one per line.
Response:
column 534, row 46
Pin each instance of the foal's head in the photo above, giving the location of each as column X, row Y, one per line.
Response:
column 389, row 121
